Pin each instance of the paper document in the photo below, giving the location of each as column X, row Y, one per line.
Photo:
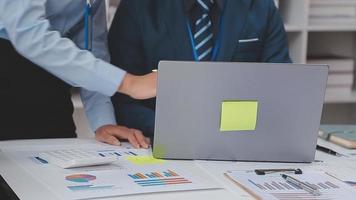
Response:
column 128, row 175
column 273, row 186
column 347, row 174
column 348, row 153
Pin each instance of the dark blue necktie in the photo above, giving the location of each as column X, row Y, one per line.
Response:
column 203, row 35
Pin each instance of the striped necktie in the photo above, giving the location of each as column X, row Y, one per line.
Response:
column 203, row 35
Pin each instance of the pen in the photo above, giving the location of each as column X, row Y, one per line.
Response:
column 305, row 186
column 327, row 150
column 269, row 171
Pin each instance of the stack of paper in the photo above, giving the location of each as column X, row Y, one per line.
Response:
column 343, row 135
column 332, row 12
column 341, row 75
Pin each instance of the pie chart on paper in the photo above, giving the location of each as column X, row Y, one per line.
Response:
column 80, row 178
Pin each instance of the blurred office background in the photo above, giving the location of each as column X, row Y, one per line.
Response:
column 319, row 31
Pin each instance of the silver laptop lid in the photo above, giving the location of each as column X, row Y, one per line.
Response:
column 238, row 111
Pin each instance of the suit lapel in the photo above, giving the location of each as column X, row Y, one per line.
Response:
column 176, row 23
column 234, row 20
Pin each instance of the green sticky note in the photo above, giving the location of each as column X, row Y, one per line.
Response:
column 238, row 115
column 144, row 160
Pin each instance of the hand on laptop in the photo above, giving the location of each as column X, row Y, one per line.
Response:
column 139, row 87
column 112, row 134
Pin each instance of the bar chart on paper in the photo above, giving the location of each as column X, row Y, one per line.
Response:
column 275, row 187
column 117, row 153
column 168, row 177
column 147, row 175
column 294, row 191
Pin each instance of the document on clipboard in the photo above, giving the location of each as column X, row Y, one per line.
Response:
column 274, row 186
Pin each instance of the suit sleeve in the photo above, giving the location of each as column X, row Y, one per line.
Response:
column 125, row 42
column 127, row 51
column 276, row 43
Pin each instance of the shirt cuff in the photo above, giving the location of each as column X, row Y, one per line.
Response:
column 112, row 79
column 99, row 109
column 102, row 121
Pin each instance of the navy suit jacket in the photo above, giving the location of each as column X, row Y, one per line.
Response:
column 145, row 32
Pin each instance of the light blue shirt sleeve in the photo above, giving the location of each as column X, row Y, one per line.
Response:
column 98, row 107
column 27, row 28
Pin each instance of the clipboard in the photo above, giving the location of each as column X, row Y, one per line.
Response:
column 250, row 192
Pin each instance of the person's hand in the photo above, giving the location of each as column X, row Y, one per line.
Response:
column 139, row 87
column 112, row 134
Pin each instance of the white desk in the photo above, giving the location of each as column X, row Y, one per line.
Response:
column 27, row 188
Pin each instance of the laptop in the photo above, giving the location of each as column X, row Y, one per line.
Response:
column 238, row 111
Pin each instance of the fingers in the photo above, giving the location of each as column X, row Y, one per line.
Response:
column 107, row 138
column 111, row 134
column 133, row 141
column 141, row 138
column 148, row 140
column 134, row 136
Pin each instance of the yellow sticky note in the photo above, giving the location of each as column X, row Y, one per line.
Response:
column 144, row 160
column 238, row 115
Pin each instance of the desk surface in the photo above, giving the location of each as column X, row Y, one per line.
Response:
column 24, row 185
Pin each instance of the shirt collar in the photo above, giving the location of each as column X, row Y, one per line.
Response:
column 189, row 4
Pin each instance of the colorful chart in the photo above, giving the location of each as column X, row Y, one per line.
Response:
column 80, row 178
column 88, row 187
column 105, row 153
column 168, row 177
column 287, row 186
